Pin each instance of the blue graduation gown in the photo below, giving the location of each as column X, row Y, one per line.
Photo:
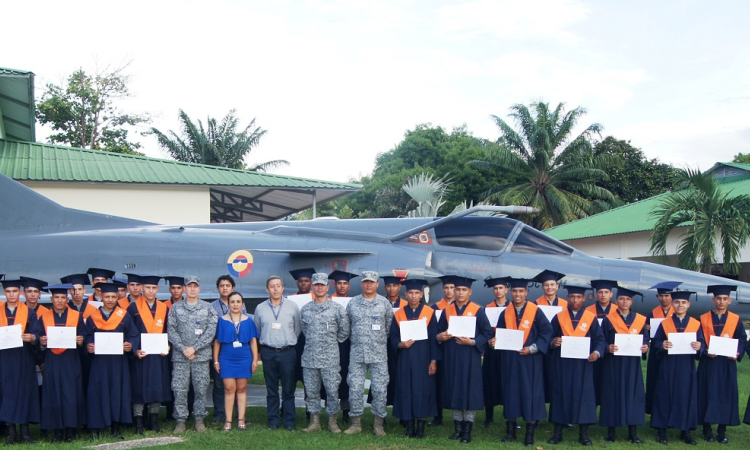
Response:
column 109, row 397
column 676, row 396
column 415, row 388
column 624, row 399
column 64, row 405
column 652, row 369
column 491, row 375
column 598, row 365
column 523, row 376
column 19, row 392
column 150, row 377
column 572, row 398
column 718, row 396
column 462, row 381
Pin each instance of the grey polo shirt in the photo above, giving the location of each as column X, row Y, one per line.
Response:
column 286, row 315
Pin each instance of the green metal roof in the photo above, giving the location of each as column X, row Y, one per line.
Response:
column 635, row 216
column 17, row 105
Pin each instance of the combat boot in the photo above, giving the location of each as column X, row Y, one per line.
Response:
column 611, row 435
column 721, row 435
column 10, row 430
column 154, row 422
column 557, row 435
column 200, row 427
column 409, row 429
column 57, row 436
column 466, row 432
column 378, row 429
column 633, row 436
column 333, row 425
column 179, row 428
column 70, row 434
column 355, row 426
column 25, row 436
column 458, row 427
column 138, row 424
column 115, row 431
column 583, row 435
column 314, row 423
column 510, row 431
column 420, row 428
column 530, row 428
column 708, row 434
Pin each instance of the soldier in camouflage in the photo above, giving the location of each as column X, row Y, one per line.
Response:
column 325, row 324
column 370, row 315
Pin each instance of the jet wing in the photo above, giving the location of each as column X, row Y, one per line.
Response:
column 313, row 252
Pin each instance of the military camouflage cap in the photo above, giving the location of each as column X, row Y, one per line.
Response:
column 192, row 279
column 370, row 275
column 320, row 278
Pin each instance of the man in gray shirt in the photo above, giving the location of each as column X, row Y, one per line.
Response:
column 278, row 324
column 370, row 315
column 191, row 328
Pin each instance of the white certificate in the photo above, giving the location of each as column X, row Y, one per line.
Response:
column 61, row 337
column 301, row 300
column 154, row 343
column 681, row 343
column 108, row 343
column 655, row 325
column 550, row 311
column 628, row 344
column 10, row 337
column 438, row 313
column 493, row 314
column 722, row 346
column 395, row 310
column 413, row 330
column 462, row 326
column 343, row 301
column 507, row 339
column 575, row 347
column 96, row 304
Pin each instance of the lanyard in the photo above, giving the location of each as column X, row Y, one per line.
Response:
column 273, row 311
column 236, row 326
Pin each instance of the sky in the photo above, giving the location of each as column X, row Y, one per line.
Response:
column 337, row 82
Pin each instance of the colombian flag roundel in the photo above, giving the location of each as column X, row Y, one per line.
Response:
column 240, row 263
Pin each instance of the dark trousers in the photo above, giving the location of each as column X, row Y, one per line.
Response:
column 217, row 393
column 279, row 365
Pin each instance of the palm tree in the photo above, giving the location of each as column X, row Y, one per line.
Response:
column 428, row 193
column 708, row 216
column 217, row 144
column 558, row 175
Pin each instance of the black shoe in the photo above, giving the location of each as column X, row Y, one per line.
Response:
column 458, row 427
column 25, row 435
column 10, row 431
column 661, row 436
column 345, row 413
column 610, row 434
column 529, row 439
column 435, row 422
column 708, row 434
column 687, row 438
column 510, row 431
column 409, row 425
column 583, row 436
column 633, row 436
column 218, row 419
column 153, row 421
column 138, row 425
column 489, row 416
column 420, row 428
column 289, row 427
column 466, row 433
column 70, row 434
column 721, row 435
column 57, row 436
column 115, row 431
column 556, row 435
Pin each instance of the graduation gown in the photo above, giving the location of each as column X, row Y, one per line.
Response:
column 415, row 388
column 718, row 396
column 150, row 377
column 598, row 365
column 108, row 393
column 652, row 366
column 19, row 392
column 624, row 398
column 544, row 302
column 572, row 398
column 491, row 376
column 63, row 402
column 523, row 376
column 83, row 356
column 462, row 364
column 676, row 396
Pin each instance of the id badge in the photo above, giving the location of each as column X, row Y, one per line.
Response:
column 236, row 344
column 375, row 327
column 276, row 326
column 198, row 331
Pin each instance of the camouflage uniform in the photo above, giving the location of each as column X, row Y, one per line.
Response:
column 324, row 325
column 183, row 322
column 370, row 323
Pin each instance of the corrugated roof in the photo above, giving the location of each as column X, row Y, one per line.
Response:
column 17, row 104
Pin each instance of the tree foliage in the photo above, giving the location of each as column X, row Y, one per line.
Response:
column 741, row 158
column 85, row 113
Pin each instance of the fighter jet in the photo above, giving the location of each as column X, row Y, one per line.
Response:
column 42, row 239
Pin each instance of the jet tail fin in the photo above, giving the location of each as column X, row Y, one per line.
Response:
column 22, row 209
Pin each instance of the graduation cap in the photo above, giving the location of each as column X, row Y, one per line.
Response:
column 548, row 275
column 59, row 288
column 415, row 284
column 100, row 273
column 463, row 282
column 448, row 279
column 175, row 281
column 575, row 289
column 302, row 273
column 133, row 278
column 121, row 283
column 598, row 285
column 492, row 282
column 150, row 279
column 721, row 289
column 11, row 284
column 682, row 295
column 77, row 278
column 519, row 282
column 340, row 275
column 627, row 292
column 28, row 282
column 665, row 287
column 2, row 275
column 107, row 287
column 391, row 280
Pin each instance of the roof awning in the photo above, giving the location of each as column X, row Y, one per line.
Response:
column 17, row 105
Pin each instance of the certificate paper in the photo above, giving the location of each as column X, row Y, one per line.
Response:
column 343, row 301
column 301, row 300
column 628, row 344
column 413, row 330
column 507, row 339
column 10, row 337
column 154, row 343
column 462, row 326
column 493, row 314
column 655, row 326
column 575, row 347
column 61, row 337
column 722, row 346
column 96, row 304
column 550, row 311
column 108, row 343
column 681, row 343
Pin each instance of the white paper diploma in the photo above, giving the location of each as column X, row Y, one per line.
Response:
column 438, row 313
column 655, row 325
column 681, row 343
column 96, row 304
column 154, row 343
column 493, row 314
column 343, row 301
column 108, row 343
column 300, row 300
column 550, row 311
column 413, row 330
column 395, row 310
column 506, row 339
column 10, row 337
column 722, row 346
column 61, row 337
column 628, row 344
column 575, row 347
column 462, row 326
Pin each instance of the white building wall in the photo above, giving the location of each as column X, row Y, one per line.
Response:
column 164, row 204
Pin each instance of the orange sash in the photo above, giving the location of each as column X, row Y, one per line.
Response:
column 40, row 310
column 426, row 313
column 658, row 313
column 692, row 326
column 707, row 322
column 527, row 321
column 114, row 319
column 49, row 321
column 401, row 303
column 442, row 304
column 156, row 323
column 619, row 324
column 124, row 302
column 22, row 316
column 584, row 325
column 592, row 309
column 542, row 301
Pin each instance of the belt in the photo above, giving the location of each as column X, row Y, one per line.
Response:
column 279, row 349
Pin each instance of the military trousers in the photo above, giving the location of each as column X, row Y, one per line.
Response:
column 182, row 375
column 330, row 377
column 378, row 387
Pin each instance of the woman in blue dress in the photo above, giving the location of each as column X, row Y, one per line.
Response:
column 235, row 357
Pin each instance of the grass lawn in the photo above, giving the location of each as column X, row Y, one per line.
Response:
column 258, row 436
